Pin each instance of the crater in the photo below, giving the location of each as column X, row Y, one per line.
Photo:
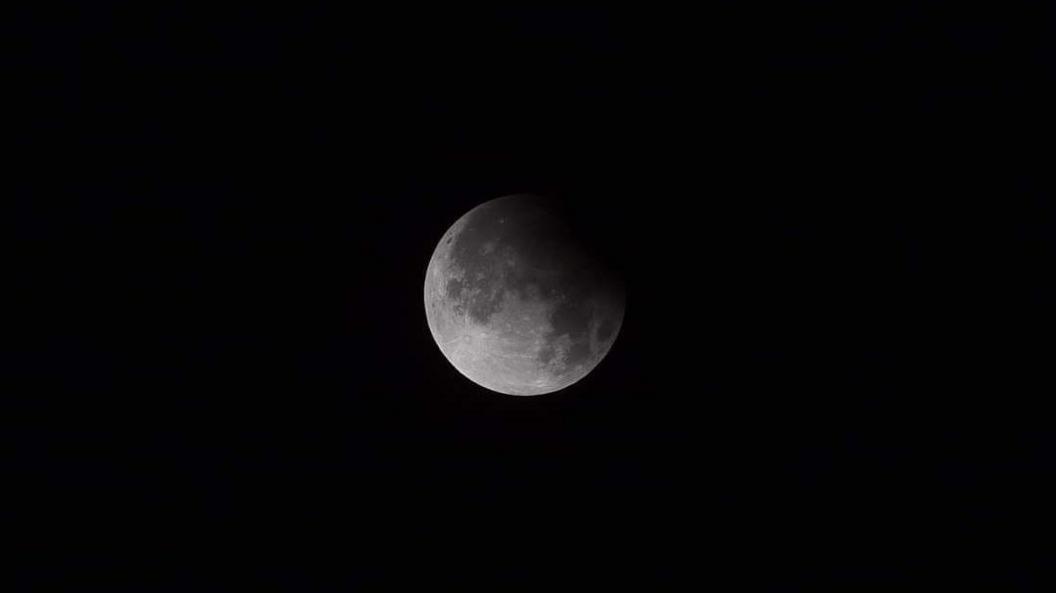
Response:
column 546, row 354
column 454, row 288
column 606, row 329
column 572, row 319
column 483, row 300
column 578, row 353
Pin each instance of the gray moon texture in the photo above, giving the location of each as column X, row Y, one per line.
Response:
column 516, row 302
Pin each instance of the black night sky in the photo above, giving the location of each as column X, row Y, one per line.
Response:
column 834, row 369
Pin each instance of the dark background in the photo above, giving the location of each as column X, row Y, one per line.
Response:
column 834, row 367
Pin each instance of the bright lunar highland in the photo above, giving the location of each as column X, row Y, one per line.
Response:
column 516, row 302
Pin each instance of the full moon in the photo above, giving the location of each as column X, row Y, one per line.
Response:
column 517, row 302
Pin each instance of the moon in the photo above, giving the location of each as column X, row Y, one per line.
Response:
column 517, row 302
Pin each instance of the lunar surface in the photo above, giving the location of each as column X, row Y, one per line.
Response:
column 516, row 303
